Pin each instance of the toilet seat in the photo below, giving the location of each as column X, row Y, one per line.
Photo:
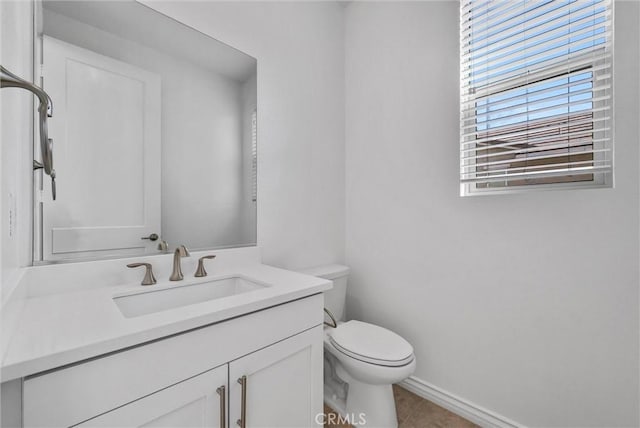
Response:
column 371, row 344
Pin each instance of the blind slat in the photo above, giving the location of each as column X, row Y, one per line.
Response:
column 511, row 172
column 600, row 110
column 527, row 150
column 536, row 61
column 532, row 130
column 515, row 117
column 554, row 84
column 561, row 172
column 573, row 64
column 541, row 145
column 534, row 158
column 478, row 35
column 521, row 102
column 511, row 53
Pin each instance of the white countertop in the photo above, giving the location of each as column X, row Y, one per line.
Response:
column 58, row 328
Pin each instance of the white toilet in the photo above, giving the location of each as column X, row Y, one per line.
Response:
column 362, row 360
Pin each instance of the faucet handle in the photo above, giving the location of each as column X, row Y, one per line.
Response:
column 163, row 246
column 201, row 271
column 149, row 279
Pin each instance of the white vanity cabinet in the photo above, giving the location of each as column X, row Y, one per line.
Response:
column 190, row 403
column 176, row 381
column 279, row 382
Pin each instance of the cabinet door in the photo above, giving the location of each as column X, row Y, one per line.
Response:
column 195, row 402
column 283, row 383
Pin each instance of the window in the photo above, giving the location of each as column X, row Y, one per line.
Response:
column 254, row 155
column 536, row 94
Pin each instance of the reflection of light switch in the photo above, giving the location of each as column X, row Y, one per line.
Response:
column 12, row 215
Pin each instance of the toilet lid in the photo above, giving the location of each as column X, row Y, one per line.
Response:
column 371, row 343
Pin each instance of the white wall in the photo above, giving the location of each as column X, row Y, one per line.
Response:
column 202, row 175
column 16, row 139
column 525, row 304
column 299, row 47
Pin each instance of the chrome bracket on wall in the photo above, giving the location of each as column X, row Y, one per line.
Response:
column 45, row 110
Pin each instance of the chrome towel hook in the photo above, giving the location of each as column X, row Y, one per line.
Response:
column 45, row 110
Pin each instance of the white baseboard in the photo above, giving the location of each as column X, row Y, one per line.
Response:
column 457, row 405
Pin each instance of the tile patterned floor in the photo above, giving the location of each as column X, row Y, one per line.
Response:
column 416, row 412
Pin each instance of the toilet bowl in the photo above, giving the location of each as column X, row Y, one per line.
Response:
column 362, row 361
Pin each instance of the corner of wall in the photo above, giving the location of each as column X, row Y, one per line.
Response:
column 16, row 143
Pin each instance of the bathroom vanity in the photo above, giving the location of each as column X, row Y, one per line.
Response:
column 84, row 343
column 252, row 357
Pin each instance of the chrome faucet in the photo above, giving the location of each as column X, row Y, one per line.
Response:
column 181, row 251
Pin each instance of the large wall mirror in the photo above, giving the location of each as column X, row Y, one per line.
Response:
column 154, row 135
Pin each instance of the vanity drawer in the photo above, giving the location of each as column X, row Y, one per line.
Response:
column 76, row 393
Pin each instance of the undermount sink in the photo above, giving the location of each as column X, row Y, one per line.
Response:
column 134, row 305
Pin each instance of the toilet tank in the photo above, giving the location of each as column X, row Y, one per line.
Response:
column 334, row 299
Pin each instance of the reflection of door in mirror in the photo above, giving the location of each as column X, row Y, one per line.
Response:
column 108, row 152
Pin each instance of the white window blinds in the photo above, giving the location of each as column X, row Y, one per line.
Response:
column 254, row 155
column 536, row 94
